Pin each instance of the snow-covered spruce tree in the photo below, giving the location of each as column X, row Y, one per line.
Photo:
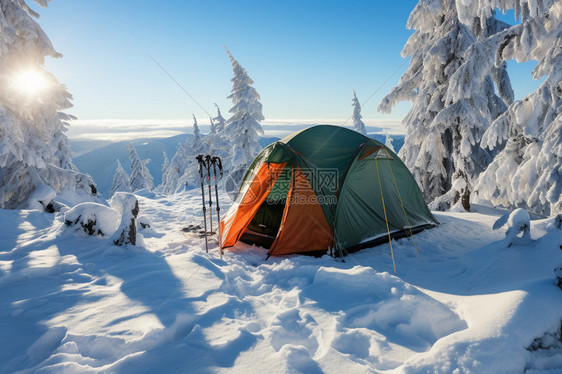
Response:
column 177, row 167
column 212, row 127
column 243, row 127
column 140, row 175
column 442, row 144
column 219, row 121
column 219, row 142
column 358, row 124
column 527, row 170
column 34, row 150
column 121, row 181
column 183, row 166
column 212, row 137
column 198, row 147
column 166, row 162
column 388, row 142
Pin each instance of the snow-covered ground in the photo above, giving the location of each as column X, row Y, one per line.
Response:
column 70, row 303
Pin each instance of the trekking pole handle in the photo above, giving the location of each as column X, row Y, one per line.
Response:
column 200, row 161
column 217, row 161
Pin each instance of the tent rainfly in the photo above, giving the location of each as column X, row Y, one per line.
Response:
column 325, row 188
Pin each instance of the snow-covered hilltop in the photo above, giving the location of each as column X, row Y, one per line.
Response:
column 79, row 304
column 125, row 284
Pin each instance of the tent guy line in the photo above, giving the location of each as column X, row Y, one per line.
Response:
column 379, row 88
column 178, row 83
column 373, row 94
column 208, row 114
column 389, row 294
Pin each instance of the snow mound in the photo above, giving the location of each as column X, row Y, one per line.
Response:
column 41, row 197
column 92, row 219
column 518, row 222
column 471, row 306
column 383, row 303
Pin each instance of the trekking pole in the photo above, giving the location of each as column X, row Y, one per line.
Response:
column 216, row 160
column 200, row 166
column 208, row 165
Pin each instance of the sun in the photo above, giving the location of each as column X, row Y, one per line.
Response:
column 30, row 82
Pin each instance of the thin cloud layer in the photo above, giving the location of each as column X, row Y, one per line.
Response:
column 129, row 129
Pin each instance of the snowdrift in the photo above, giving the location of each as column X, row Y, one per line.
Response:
column 77, row 304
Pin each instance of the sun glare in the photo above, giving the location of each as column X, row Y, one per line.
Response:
column 30, row 82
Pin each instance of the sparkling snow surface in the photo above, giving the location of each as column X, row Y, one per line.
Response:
column 70, row 303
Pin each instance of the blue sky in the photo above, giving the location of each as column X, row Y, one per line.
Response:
column 304, row 56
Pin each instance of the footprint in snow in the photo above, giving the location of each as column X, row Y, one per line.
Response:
column 292, row 328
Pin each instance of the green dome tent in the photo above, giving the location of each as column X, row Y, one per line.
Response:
column 325, row 187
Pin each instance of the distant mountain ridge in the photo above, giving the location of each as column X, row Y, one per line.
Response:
column 101, row 162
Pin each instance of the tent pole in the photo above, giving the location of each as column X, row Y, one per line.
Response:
column 385, row 217
column 402, row 203
column 338, row 246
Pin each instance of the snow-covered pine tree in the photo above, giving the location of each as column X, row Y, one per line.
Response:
column 527, row 171
column 219, row 142
column 121, row 181
column 388, row 141
column 219, row 121
column 211, row 137
column 140, row 175
column 34, row 149
column 243, row 126
column 198, row 147
column 177, row 167
column 358, row 124
column 183, row 167
column 443, row 131
column 165, row 163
